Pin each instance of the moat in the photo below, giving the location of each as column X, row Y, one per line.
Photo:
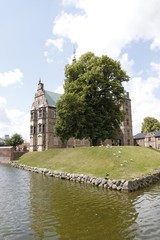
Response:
column 34, row 206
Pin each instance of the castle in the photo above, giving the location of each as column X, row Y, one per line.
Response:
column 148, row 139
column 43, row 117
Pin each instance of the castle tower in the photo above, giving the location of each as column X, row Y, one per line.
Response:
column 42, row 119
column 126, row 135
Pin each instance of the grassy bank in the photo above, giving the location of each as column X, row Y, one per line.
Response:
column 125, row 162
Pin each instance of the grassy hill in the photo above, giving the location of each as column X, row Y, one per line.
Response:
column 121, row 162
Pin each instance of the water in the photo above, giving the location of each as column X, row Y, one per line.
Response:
column 33, row 206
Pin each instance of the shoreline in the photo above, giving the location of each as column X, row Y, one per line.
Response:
column 115, row 184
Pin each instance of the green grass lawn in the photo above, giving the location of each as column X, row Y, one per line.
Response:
column 121, row 162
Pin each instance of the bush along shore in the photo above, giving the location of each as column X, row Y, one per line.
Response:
column 120, row 185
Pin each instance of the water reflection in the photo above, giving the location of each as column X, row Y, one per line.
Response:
column 147, row 206
column 14, row 204
column 33, row 206
column 80, row 211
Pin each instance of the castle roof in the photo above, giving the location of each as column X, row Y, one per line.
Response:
column 142, row 136
column 139, row 136
column 52, row 98
column 157, row 133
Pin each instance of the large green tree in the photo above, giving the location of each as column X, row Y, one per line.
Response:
column 93, row 94
column 150, row 124
column 15, row 140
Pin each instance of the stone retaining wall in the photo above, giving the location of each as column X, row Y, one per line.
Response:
column 120, row 185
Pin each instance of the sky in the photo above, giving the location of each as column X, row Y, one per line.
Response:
column 38, row 38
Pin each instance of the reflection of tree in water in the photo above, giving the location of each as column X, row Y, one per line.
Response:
column 69, row 210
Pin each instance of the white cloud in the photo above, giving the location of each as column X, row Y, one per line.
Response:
column 156, row 67
column 2, row 100
column 60, row 89
column 20, row 121
column 11, row 77
column 4, row 119
column 68, row 2
column 105, row 26
column 127, row 64
column 47, row 56
column 143, row 93
column 155, row 44
column 58, row 43
column 14, row 121
column 144, row 100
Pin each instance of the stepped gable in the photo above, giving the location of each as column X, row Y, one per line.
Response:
column 43, row 117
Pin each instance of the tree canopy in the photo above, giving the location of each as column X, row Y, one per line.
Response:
column 93, row 94
column 15, row 140
column 150, row 124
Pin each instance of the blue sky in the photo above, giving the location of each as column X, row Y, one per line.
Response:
column 37, row 41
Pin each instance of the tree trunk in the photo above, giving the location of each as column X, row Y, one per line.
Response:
column 95, row 142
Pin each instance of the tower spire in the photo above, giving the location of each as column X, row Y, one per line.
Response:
column 40, row 85
column 74, row 53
